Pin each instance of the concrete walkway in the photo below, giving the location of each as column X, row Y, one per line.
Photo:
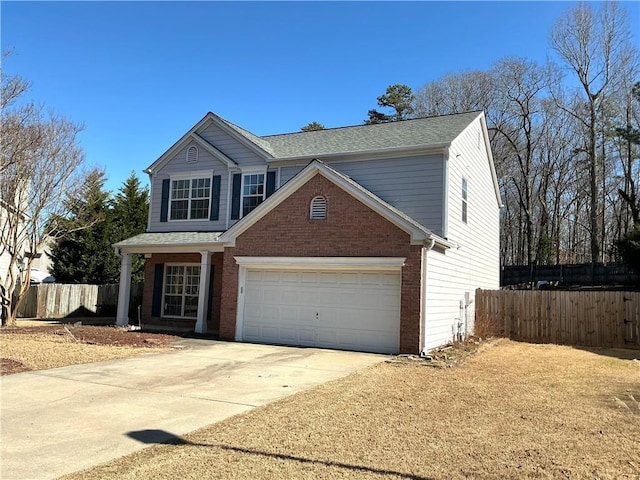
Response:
column 67, row 419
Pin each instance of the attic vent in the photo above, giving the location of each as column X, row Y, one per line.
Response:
column 192, row 154
column 318, row 210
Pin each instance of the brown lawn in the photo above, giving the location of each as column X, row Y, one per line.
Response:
column 41, row 345
column 514, row 410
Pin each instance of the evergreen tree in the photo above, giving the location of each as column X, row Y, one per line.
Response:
column 400, row 98
column 130, row 212
column 310, row 127
column 83, row 253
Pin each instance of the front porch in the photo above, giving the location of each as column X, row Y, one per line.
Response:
column 182, row 281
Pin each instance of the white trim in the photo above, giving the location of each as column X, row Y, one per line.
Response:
column 252, row 171
column 318, row 208
column 164, row 276
column 375, row 264
column 209, row 118
column 322, row 263
column 418, row 234
column 199, row 175
column 174, row 248
column 213, row 150
column 445, row 194
column 427, row 149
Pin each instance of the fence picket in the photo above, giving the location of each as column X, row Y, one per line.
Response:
column 595, row 319
column 55, row 300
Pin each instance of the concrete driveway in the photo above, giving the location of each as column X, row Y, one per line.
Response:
column 67, row 419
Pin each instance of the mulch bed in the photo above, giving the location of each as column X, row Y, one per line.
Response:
column 113, row 336
column 93, row 335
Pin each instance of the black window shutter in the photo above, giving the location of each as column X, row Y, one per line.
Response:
column 271, row 183
column 215, row 198
column 158, row 279
column 164, row 206
column 235, row 196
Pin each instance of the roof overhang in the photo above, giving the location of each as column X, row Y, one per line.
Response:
column 413, row 150
column 419, row 235
column 208, row 119
column 171, row 242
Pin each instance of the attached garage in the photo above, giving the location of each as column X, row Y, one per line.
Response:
column 341, row 304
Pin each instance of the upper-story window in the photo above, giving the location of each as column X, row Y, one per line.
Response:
column 252, row 191
column 464, row 199
column 190, row 199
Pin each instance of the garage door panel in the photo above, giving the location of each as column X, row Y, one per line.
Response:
column 334, row 309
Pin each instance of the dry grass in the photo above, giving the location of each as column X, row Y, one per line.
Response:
column 41, row 351
column 512, row 411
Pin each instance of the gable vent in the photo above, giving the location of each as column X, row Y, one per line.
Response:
column 192, row 154
column 318, row 210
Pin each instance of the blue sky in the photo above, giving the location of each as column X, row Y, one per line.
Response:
column 138, row 75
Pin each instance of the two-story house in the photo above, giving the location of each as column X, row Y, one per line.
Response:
column 370, row 237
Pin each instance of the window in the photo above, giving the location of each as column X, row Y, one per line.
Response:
column 464, row 200
column 190, row 198
column 181, row 288
column 192, row 154
column 318, row 208
column 252, row 192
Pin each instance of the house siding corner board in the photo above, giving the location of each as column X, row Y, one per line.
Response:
column 351, row 229
column 474, row 260
column 175, row 324
column 411, row 184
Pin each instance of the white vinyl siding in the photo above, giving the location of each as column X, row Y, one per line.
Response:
column 475, row 260
column 411, row 184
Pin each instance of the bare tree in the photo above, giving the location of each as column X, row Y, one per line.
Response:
column 41, row 162
column 596, row 47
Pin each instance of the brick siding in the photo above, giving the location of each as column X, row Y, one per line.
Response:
column 176, row 324
column 351, row 229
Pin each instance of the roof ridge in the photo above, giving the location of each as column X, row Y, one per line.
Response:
column 344, row 127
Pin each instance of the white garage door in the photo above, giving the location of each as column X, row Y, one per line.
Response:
column 331, row 309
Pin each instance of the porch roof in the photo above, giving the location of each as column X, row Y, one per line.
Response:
column 170, row 242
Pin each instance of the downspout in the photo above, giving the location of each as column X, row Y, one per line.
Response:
column 428, row 245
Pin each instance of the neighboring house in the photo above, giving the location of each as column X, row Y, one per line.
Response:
column 371, row 237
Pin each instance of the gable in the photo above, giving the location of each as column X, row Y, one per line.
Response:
column 215, row 135
column 418, row 233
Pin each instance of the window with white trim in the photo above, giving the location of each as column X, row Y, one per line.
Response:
column 253, row 190
column 192, row 154
column 318, row 208
column 190, row 198
column 180, row 290
column 464, row 199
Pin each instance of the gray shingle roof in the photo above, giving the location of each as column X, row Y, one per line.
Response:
column 263, row 144
column 169, row 238
column 362, row 138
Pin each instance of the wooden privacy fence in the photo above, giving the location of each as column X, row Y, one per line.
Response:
column 54, row 300
column 591, row 319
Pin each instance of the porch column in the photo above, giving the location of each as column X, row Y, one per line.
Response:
column 203, row 294
column 124, row 290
